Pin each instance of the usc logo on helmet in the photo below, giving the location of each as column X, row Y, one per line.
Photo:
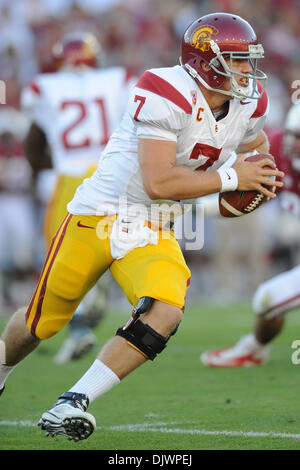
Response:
column 201, row 37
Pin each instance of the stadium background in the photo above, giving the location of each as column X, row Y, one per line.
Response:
column 140, row 34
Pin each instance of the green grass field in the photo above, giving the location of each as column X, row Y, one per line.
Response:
column 173, row 403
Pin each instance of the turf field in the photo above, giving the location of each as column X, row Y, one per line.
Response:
column 173, row 403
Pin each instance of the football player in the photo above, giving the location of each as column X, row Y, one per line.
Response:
column 181, row 124
column 73, row 113
column 280, row 294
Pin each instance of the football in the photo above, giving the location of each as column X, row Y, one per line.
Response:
column 238, row 203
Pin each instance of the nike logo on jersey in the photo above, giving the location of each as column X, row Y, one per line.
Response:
column 79, row 224
column 247, row 102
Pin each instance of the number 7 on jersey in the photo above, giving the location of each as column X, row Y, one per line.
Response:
column 141, row 100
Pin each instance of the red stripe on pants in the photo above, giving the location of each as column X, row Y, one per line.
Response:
column 43, row 289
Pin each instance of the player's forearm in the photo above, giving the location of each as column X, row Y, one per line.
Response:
column 181, row 183
column 163, row 180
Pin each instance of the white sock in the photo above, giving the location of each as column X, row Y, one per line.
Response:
column 97, row 380
column 4, row 373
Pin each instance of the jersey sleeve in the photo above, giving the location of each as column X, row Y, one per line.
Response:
column 258, row 118
column 158, row 109
column 33, row 103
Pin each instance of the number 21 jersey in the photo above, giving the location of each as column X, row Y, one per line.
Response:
column 78, row 112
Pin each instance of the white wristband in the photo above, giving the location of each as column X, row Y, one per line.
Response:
column 229, row 179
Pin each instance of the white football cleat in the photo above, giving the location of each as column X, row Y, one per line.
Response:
column 246, row 352
column 68, row 417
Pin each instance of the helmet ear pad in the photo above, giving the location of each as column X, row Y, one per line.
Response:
column 210, row 76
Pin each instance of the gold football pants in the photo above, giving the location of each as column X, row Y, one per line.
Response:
column 78, row 256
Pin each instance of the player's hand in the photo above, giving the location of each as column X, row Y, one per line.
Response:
column 253, row 176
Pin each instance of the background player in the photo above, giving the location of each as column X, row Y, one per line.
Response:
column 281, row 294
column 179, row 119
column 73, row 113
column 17, row 236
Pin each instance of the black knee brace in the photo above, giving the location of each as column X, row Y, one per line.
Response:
column 142, row 336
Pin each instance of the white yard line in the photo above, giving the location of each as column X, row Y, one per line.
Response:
column 166, row 429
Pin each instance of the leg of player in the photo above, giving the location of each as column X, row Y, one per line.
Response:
column 266, row 329
column 17, row 343
column 119, row 357
column 271, row 301
column 246, row 352
column 80, row 340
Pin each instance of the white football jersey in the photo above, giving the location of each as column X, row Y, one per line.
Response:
column 78, row 112
column 166, row 104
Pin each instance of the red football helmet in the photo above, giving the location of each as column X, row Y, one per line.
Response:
column 291, row 139
column 214, row 38
column 76, row 50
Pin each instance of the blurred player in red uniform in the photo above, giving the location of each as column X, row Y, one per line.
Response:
column 281, row 294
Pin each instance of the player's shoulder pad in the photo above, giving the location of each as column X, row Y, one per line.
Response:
column 117, row 71
column 119, row 78
column 158, row 82
column 39, row 86
column 36, row 85
column 31, row 94
column 163, row 102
